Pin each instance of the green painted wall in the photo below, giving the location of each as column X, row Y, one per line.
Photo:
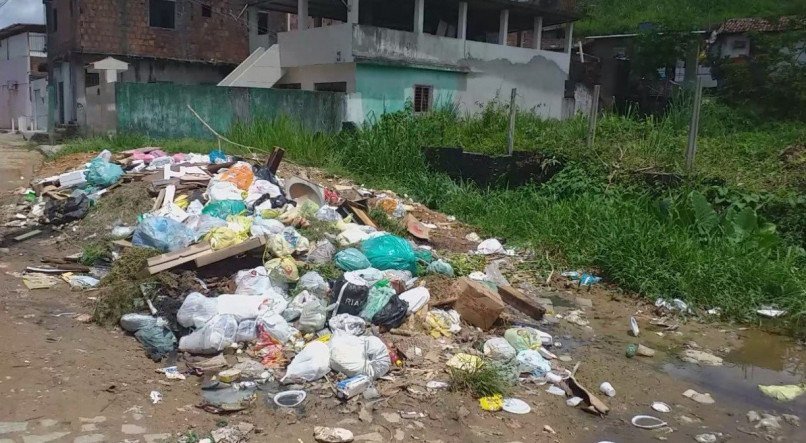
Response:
column 160, row 109
column 387, row 88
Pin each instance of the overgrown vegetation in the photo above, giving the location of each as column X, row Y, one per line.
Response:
column 120, row 291
column 618, row 16
column 731, row 235
column 94, row 252
column 385, row 222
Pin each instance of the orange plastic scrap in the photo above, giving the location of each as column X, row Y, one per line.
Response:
column 240, row 174
column 269, row 350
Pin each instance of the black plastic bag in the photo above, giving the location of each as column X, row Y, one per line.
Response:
column 75, row 207
column 352, row 300
column 263, row 173
column 276, row 202
column 393, row 314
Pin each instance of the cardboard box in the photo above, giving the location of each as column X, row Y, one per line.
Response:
column 477, row 304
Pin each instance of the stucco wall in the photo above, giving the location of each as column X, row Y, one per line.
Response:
column 14, row 102
column 388, row 88
column 160, row 110
column 316, row 46
column 101, row 109
column 308, row 76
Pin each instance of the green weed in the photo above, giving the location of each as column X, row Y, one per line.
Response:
column 483, row 380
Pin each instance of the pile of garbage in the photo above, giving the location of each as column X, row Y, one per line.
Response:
column 330, row 298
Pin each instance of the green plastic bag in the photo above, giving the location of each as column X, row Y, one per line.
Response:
column 351, row 259
column 390, row 252
column 424, row 255
column 224, row 208
column 379, row 295
column 101, row 173
column 440, row 267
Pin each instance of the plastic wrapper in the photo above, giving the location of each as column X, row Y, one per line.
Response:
column 378, row 296
column 499, row 349
column 350, row 294
column 295, row 239
column 223, row 237
column 351, row 259
column 276, row 326
column 239, row 174
column 241, row 224
column 352, row 355
column 224, row 208
column 390, row 252
column 220, row 190
column 328, row 214
column 312, row 363
column 265, row 226
column 279, row 246
column 283, row 269
column 347, row 324
column 393, row 314
column 368, row 275
column 322, row 252
column 215, row 336
column 262, row 172
column 162, row 234
column 217, row 156
column 74, row 207
column 102, row 174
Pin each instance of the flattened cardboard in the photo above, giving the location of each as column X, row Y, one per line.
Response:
column 477, row 304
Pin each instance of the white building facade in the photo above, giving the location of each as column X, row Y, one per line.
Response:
column 23, row 86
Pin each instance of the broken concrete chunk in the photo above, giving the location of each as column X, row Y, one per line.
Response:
column 332, row 435
column 700, row 358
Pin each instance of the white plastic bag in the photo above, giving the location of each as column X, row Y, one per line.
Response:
column 322, row 252
column 499, row 349
column 196, row 310
column 314, row 314
column 247, row 331
column 351, row 236
column 327, row 213
column 265, row 226
column 312, row 363
column 347, row 324
column 532, row 362
column 416, row 298
column 260, row 188
column 247, row 307
column 353, row 355
column 314, row 283
column 223, row 190
column 276, row 326
column 214, row 337
column 252, row 281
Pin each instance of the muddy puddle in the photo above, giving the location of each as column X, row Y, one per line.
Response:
column 762, row 359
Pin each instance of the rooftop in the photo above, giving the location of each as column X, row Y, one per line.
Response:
column 756, row 24
column 19, row 28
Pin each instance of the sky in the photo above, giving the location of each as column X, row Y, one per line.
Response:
column 22, row 11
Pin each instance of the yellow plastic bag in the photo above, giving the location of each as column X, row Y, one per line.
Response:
column 284, row 269
column 279, row 246
column 492, row 403
column 442, row 323
column 182, row 201
column 465, row 362
column 239, row 174
column 223, row 237
column 241, row 224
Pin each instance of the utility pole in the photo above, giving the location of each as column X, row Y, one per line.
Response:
column 593, row 115
column 511, row 131
column 694, row 127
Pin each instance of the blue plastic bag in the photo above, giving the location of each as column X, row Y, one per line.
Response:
column 390, row 252
column 102, row 173
column 162, row 234
column 217, row 156
column 351, row 259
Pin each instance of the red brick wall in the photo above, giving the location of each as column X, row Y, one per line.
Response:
column 121, row 27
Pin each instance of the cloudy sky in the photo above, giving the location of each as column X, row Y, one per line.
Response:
column 22, row 11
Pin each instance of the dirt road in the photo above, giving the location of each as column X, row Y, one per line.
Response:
column 63, row 380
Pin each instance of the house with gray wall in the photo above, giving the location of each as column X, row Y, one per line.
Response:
column 386, row 54
column 23, row 87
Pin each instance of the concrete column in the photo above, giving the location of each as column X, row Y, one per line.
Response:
column 503, row 27
column 537, row 36
column 302, row 15
column 569, row 36
column 352, row 11
column 461, row 27
column 419, row 16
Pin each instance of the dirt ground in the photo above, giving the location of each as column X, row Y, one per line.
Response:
column 64, row 380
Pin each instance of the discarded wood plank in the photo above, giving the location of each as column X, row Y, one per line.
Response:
column 218, row 166
column 184, row 252
column 59, row 260
column 27, row 235
column 123, row 243
column 274, row 160
column 359, row 211
column 445, row 302
column 240, row 248
column 521, row 302
column 61, row 269
column 159, row 200
column 178, row 258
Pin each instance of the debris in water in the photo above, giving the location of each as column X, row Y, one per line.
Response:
column 705, row 398
column 700, row 357
column 783, row 392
